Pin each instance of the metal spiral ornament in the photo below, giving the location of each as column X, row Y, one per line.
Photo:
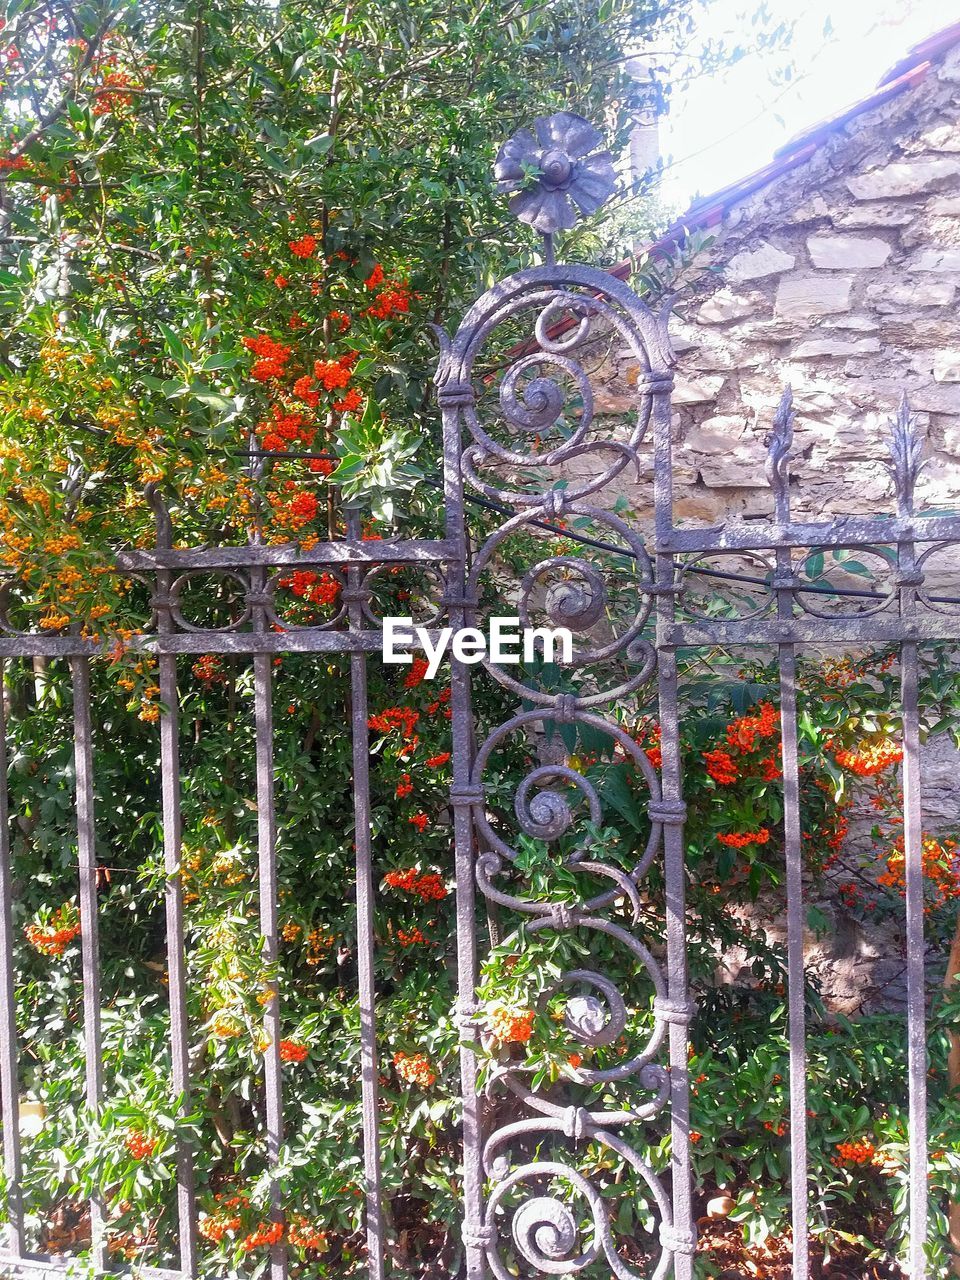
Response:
column 545, row 1216
column 545, row 1234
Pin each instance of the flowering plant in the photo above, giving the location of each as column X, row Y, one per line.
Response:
column 224, row 230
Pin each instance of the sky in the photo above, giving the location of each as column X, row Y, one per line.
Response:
column 723, row 126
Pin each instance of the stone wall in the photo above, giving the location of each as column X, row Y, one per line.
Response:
column 841, row 280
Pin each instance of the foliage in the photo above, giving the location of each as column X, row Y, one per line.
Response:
column 856, row 1073
column 223, row 229
column 228, row 225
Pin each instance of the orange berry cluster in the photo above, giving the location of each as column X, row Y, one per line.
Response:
column 53, row 938
column 208, row 668
column 841, row 672
column 271, row 356
column 228, row 1219
column 416, row 674
column 721, row 767
column 412, row 937
column 652, row 734
column 440, row 704
column 116, row 93
column 267, row 1233
column 429, row 886
column 284, row 428
column 292, row 513
column 304, row 1235
column 318, row 946
column 392, row 299
column 744, row 735
column 740, row 840
column 744, row 732
column 318, row 588
column 855, row 1153
column 214, row 1227
column 140, row 1146
column 329, row 375
column 394, row 718
column 293, row 1051
column 305, row 247
column 939, row 861
column 869, row 758
column 414, row 1068
column 226, row 1026
column 510, row 1026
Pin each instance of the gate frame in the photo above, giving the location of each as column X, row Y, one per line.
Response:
column 583, row 293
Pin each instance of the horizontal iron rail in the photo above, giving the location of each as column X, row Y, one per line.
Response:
column 815, row 631
column 28, row 1265
column 708, row 632
column 819, row 535
column 373, row 551
column 238, row 642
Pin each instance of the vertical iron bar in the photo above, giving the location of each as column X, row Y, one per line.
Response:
column 916, row 991
column 9, row 1085
column 678, row 1035
column 269, row 920
column 779, row 473
column 89, row 924
column 175, row 940
column 683, row 1235
column 473, row 1211
column 365, row 919
column 906, row 449
column 796, row 1014
column 461, row 799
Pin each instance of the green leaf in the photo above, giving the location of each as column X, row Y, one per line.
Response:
column 178, row 351
column 613, row 789
column 814, row 565
column 320, row 143
column 212, row 399
column 219, row 360
column 274, row 133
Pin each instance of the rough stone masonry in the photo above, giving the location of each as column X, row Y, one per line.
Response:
column 839, row 278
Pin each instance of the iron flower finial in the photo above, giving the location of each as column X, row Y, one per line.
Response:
column 552, row 169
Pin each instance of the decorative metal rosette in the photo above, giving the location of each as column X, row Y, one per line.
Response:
column 556, row 170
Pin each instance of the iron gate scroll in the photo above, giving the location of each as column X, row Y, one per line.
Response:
column 564, row 306
column 541, row 1234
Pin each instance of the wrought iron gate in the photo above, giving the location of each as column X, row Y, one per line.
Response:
column 566, row 304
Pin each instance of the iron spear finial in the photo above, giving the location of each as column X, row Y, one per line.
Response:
column 779, row 452
column 906, row 446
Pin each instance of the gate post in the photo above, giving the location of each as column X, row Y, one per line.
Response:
column 452, row 396
column 544, row 381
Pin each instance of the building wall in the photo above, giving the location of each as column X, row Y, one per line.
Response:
column 840, row 278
